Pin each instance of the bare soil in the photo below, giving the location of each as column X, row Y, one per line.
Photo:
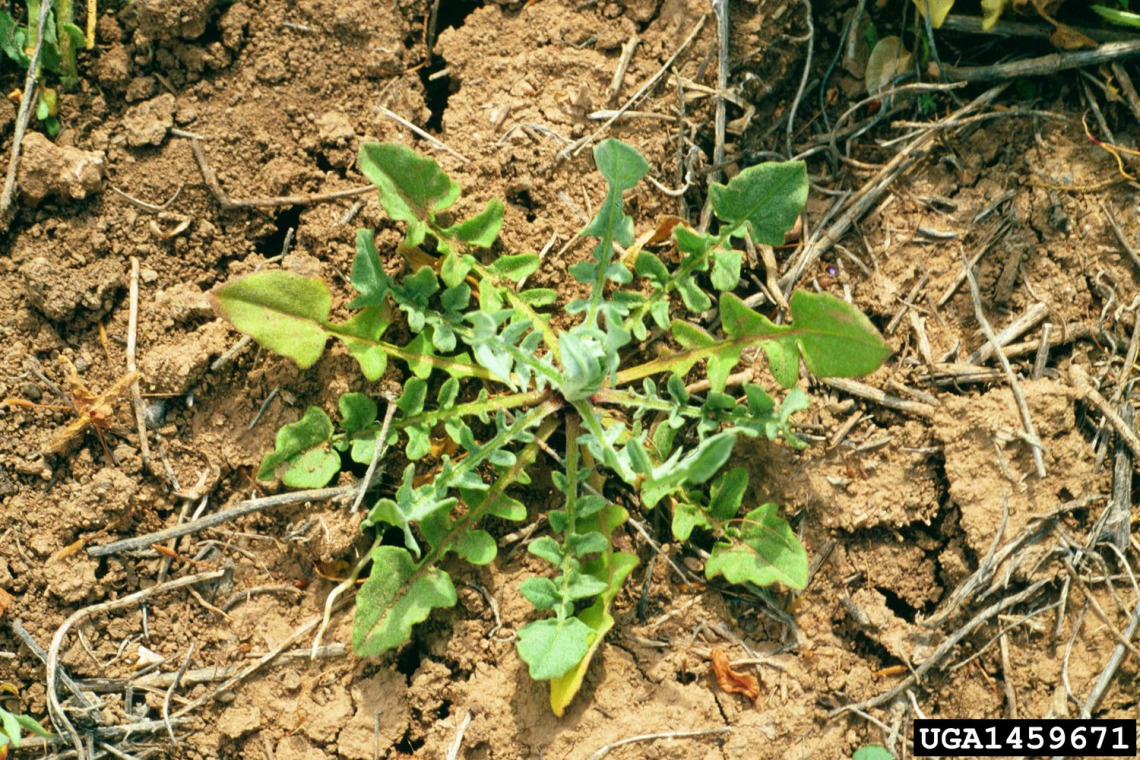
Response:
column 898, row 511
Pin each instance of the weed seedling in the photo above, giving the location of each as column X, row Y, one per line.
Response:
column 91, row 409
column 60, row 41
column 12, row 728
column 490, row 379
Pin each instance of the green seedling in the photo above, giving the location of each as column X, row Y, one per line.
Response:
column 490, row 377
column 872, row 752
column 1121, row 15
column 12, row 728
column 62, row 38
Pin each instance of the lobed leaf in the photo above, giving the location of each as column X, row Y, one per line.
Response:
column 768, row 198
column 361, row 337
column 763, row 551
column 367, row 276
column 481, row 229
column 833, row 337
column 412, row 187
column 302, row 457
column 357, row 411
column 686, row 518
column 397, row 595
column 598, row 621
column 727, row 493
column 476, row 546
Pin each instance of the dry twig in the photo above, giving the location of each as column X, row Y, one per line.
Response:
column 870, row 393
column 869, row 194
column 132, row 366
column 1014, row 385
column 23, row 116
column 604, row 750
column 240, row 510
column 228, row 203
column 1046, row 65
column 435, row 142
column 573, row 148
column 1085, row 390
column 55, row 708
column 944, row 648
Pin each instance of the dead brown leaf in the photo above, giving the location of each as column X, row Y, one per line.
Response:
column 730, row 680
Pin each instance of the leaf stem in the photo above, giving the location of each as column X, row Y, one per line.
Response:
column 567, row 605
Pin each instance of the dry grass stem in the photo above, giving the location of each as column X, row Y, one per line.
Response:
column 1014, row 385
column 229, row 204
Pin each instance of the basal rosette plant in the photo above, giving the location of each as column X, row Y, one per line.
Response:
column 490, row 379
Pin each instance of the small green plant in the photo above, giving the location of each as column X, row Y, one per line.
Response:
column 872, row 752
column 12, row 729
column 1121, row 15
column 491, row 378
column 57, row 57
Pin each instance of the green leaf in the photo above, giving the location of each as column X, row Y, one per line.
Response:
column 551, row 647
column 364, row 447
column 412, row 187
column 621, row 164
column 12, row 47
column 541, row 592
column 11, row 726
column 547, row 548
column 1124, row 18
column 397, row 595
column 709, row 457
column 695, row 299
column 302, row 458
column 507, row 508
column 476, row 546
column 583, row 586
column 361, row 336
column 357, row 411
column 368, row 277
column 538, row 297
column 768, row 197
column 725, row 273
column 453, row 270
column 720, row 363
column 764, row 552
column 835, row 338
column 515, row 267
column 420, row 355
column 482, row 229
column 727, row 493
column 623, row 167
column 282, row 311
column 872, row 752
column 411, row 401
column 686, row 517
column 599, row 621
column 32, row 726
